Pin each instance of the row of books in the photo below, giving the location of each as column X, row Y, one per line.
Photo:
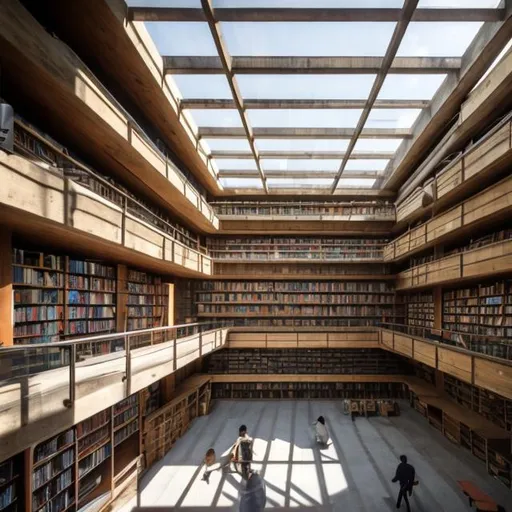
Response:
column 148, row 289
column 7, row 496
column 91, row 326
column 310, row 254
column 44, row 450
column 141, row 312
column 91, row 268
column 100, row 284
column 126, row 415
column 43, row 474
column 126, row 403
column 277, row 242
column 50, row 490
column 334, row 271
column 60, row 503
column 143, row 323
column 38, row 296
column 291, row 310
column 143, row 277
column 90, row 298
column 90, row 424
column 86, row 312
column 94, row 459
column 310, row 322
column 296, row 298
column 93, row 438
column 47, row 278
column 124, row 433
column 147, row 300
column 42, row 329
column 38, row 313
column 297, row 286
column 37, row 259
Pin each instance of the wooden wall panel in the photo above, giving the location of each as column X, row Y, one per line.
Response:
column 445, row 223
column 403, row 344
column 387, row 338
column 493, row 259
column 425, row 353
column 454, row 363
column 494, row 376
column 418, row 237
column 450, row 179
column 311, row 339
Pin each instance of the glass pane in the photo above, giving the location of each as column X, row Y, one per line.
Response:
column 299, row 182
column 203, row 86
column 377, row 144
column 312, row 118
column 164, row 3
column 182, row 38
column 410, row 87
column 241, row 183
column 227, row 144
column 271, row 164
column 235, row 164
column 459, row 4
column 219, row 118
column 319, row 87
column 355, row 183
column 366, row 165
column 392, row 118
column 301, row 145
column 307, row 38
column 321, row 4
column 438, row 39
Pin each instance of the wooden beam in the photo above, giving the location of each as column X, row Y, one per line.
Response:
column 406, row 14
column 304, row 133
column 227, row 65
column 311, row 14
column 210, row 65
column 218, row 104
column 303, row 155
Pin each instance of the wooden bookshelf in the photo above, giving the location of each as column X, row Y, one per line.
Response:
column 305, row 361
column 12, row 491
column 484, row 309
column 285, row 249
column 147, row 301
column 419, row 309
column 297, row 303
column 54, row 473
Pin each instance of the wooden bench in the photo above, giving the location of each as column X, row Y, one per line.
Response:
column 482, row 502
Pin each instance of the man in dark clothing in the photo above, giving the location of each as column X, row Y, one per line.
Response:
column 405, row 476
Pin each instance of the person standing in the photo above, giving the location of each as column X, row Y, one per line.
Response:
column 405, row 474
column 322, row 436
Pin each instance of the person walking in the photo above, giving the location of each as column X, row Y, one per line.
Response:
column 322, row 436
column 405, row 475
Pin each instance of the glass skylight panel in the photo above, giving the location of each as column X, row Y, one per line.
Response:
column 410, row 87
column 227, row 144
column 203, row 87
column 164, row 3
column 301, row 144
column 235, row 164
column 458, row 4
column 220, row 118
column 300, row 87
column 299, row 182
column 292, row 4
column 438, row 39
column 307, row 38
column 356, row 183
column 307, row 118
column 377, row 144
column 182, row 38
column 241, row 183
column 366, row 165
column 392, row 118
column 274, row 164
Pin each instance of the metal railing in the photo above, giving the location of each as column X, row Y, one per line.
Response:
column 67, row 363
column 493, row 346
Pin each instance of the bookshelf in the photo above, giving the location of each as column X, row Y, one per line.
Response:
column 147, row 301
column 484, row 309
column 54, row 474
column 305, row 361
column 419, row 309
column 297, row 303
column 307, row 390
column 367, row 210
column 12, row 490
column 256, row 249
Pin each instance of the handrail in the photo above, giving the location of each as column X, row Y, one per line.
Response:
column 126, row 197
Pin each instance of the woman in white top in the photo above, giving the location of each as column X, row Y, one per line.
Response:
column 322, row 436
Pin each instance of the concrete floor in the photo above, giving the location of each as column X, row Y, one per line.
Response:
column 352, row 474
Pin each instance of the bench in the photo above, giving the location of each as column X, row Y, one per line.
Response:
column 482, row 501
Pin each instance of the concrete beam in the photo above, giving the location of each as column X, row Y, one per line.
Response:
column 227, row 65
column 304, row 133
column 184, row 65
column 301, row 15
column 218, row 104
column 432, row 123
column 303, row 155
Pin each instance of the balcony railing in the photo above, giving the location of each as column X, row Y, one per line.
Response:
column 64, row 372
column 482, row 344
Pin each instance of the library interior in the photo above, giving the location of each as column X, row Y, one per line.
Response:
column 278, row 229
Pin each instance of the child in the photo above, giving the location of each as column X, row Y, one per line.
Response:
column 322, row 436
column 211, row 465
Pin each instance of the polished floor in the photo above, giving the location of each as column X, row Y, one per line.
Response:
column 352, row 474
